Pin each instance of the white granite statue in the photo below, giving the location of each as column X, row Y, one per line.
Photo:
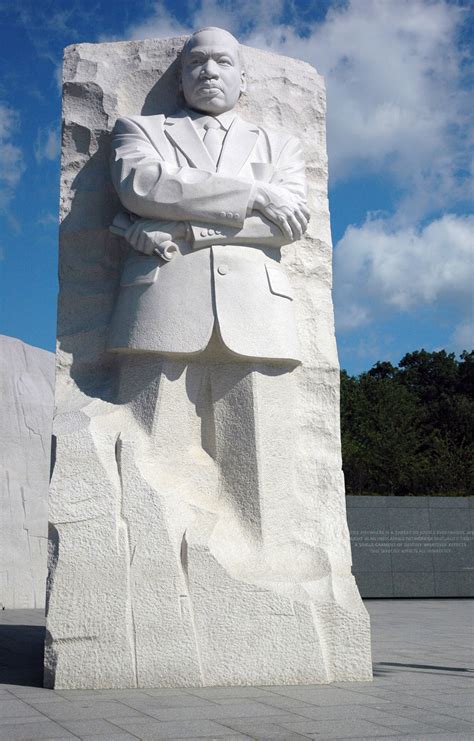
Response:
column 198, row 531
column 213, row 190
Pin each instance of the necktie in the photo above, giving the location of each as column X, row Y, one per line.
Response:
column 213, row 138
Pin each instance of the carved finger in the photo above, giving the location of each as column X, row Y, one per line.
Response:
column 302, row 220
column 136, row 233
column 285, row 227
column 271, row 213
column 295, row 226
column 304, row 208
column 142, row 242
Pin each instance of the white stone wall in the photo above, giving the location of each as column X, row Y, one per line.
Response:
column 412, row 546
column 26, row 393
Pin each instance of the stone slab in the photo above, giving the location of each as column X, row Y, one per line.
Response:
column 179, row 558
column 26, row 392
column 412, row 546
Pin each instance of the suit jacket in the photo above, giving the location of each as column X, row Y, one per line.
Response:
column 226, row 274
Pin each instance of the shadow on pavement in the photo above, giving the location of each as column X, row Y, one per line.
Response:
column 21, row 654
column 427, row 666
column 391, row 668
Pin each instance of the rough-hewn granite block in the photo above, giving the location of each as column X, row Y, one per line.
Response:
column 156, row 578
column 26, row 393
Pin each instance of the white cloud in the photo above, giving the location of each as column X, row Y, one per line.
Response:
column 159, row 25
column 58, row 76
column 11, row 157
column 395, row 100
column 248, row 17
column 392, row 69
column 48, row 219
column 463, row 335
column 47, row 146
column 381, row 270
column 396, row 108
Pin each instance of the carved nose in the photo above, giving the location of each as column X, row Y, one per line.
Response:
column 210, row 70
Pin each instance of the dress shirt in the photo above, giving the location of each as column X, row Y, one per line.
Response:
column 199, row 119
column 225, row 119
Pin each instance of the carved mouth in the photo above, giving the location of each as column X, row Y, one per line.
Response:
column 210, row 88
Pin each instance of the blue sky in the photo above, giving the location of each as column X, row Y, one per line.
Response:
column 400, row 78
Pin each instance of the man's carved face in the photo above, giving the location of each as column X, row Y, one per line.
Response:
column 211, row 76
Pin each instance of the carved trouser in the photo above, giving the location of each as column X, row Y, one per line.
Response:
column 219, row 433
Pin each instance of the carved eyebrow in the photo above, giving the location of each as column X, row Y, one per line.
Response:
column 206, row 55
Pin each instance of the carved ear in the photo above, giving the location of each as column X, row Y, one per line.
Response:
column 243, row 82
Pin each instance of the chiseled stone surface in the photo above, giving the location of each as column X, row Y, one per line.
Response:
column 26, row 393
column 154, row 580
column 422, row 652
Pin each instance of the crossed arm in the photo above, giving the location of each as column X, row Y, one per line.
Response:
column 169, row 202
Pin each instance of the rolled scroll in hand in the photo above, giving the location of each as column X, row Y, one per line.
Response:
column 148, row 236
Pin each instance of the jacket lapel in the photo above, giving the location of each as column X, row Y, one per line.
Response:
column 182, row 132
column 238, row 145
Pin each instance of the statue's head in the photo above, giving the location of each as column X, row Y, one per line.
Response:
column 212, row 77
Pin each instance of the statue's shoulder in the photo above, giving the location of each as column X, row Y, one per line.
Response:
column 279, row 139
column 129, row 124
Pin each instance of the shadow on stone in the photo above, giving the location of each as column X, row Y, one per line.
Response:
column 21, row 654
column 162, row 97
column 93, row 253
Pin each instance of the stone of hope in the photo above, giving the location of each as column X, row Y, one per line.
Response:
column 198, row 533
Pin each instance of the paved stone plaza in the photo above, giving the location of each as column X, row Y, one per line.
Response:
column 422, row 689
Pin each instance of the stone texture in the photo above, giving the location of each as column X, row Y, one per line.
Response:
column 26, row 391
column 422, row 651
column 412, row 546
column 154, row 578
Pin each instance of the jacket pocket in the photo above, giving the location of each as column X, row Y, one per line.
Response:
column 279, row 283
column 140, row 270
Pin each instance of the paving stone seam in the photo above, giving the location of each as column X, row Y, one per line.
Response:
column 122, row 729
column 453, row 717
column 380, row 722
column 175, row 738
column 256, row 738
column 429, row 727
column 35, row 710
column 146, row 716
column 417, row 707
column 372, row 694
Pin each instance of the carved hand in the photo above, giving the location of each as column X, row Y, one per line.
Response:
column 150, row 236
column 147, row 235
column 289, row 212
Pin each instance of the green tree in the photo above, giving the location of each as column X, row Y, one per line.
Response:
column 409, row 429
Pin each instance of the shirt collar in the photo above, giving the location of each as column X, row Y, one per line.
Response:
column 225, row 119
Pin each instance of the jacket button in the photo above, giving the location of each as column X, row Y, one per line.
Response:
column 203, row 233
column 211, row 232
column 236, row 216
column 230, row 215
column 223, row 269
column 222, row 214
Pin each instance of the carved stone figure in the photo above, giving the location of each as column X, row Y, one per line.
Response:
column 222, row 189
column 197, row 516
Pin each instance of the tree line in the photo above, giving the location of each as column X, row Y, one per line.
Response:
column 409, row 430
